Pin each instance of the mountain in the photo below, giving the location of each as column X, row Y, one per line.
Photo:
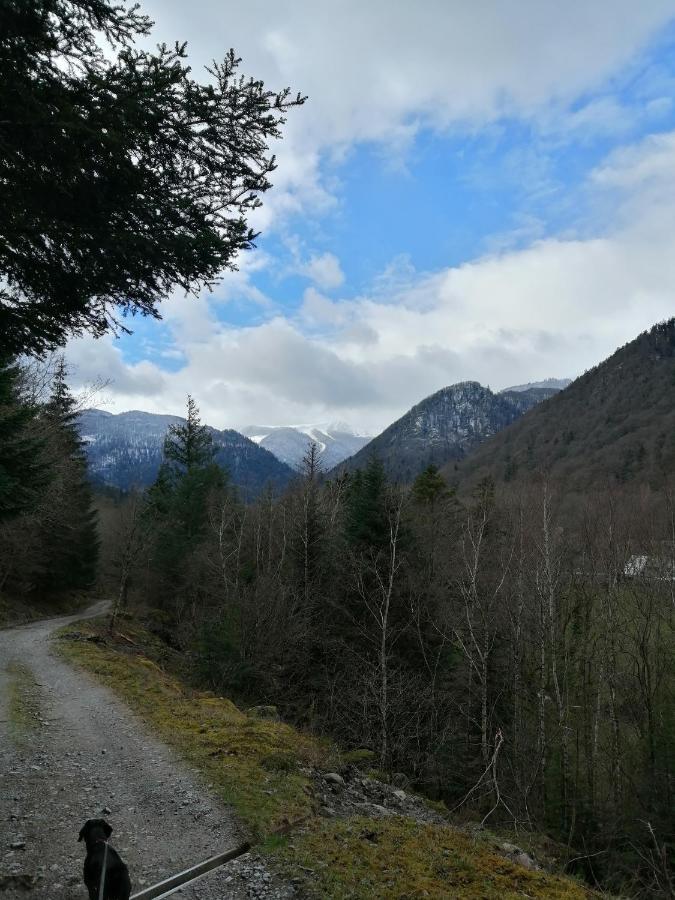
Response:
column 445, row 426
column 615, row 424
column 557, row 384
column 289, row 443
column 125, row 450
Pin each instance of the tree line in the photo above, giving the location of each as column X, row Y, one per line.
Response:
column 509, row 653
column 48, row 529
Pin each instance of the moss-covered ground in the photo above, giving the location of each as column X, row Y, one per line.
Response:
column 396, row 857
column 262, row 768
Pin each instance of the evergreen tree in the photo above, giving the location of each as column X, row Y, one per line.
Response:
column 429, row 487
column 68, row 529
column 189, row 446
column 367, row 524
column 23, row 469
column 179, row 504
column 120, row 175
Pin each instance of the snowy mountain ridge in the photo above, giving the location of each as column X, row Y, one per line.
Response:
column 124, row 450
column 289, row 443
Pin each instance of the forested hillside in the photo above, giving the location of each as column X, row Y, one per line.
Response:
column 445, row 426
column 511, row 655
column 124, row 451
column 614, row 425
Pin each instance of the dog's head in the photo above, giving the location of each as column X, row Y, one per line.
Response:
column 95, row 830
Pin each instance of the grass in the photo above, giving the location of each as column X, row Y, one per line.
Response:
column 262, row 768
column 362, row 858
column 24, row 703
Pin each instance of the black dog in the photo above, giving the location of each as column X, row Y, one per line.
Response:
column 95, row 833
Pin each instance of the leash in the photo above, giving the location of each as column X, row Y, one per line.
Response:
column 101, row 886
column 187, row 876
column 176, row 882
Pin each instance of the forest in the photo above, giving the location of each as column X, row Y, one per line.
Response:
column 507, row 652
column 503, row 646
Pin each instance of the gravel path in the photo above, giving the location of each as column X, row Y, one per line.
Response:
column 87, row 752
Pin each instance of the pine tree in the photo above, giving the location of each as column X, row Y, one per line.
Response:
column 367, row 524
column 69, row 536
column 23, row 469
column 121, row 176
column 189, row 446
column 178, row 503
column 429, row 487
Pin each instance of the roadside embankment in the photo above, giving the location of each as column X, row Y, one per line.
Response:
column 329, row 827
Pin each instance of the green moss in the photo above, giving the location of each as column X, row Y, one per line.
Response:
column 379, row 859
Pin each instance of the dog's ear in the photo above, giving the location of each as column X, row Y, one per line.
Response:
column 107, row 828
column 82, row 831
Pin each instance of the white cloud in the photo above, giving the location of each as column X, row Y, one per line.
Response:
column 325, row 271
column 377, row 71
column 649, row 161
column 99, row 361
column 552, row 309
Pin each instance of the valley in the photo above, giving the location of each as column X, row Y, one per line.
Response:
column 337, row 450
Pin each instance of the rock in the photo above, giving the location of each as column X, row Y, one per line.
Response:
column 518, row 855
column 400, row 795
column 263, row 712
column 333, row 778
column 17, row 845
column 382, row 810
column 510, row 848
column 106, row 811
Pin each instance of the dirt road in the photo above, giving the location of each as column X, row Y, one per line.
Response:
column 70, row 750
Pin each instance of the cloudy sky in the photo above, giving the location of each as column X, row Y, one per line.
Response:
column 479, row 190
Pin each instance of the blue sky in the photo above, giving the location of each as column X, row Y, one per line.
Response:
column 479, row 191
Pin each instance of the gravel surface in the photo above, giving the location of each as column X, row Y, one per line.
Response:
column 87, row 754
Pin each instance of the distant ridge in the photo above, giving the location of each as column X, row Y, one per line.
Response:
column 556, row 384
column 445, row 427
column 614, row 424
column 124, row 450
column 289, row 443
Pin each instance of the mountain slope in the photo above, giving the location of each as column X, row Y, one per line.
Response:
column 616, row 424
column 125, row 450
column 445, row 426
column 557, row 384
column 290, row 443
